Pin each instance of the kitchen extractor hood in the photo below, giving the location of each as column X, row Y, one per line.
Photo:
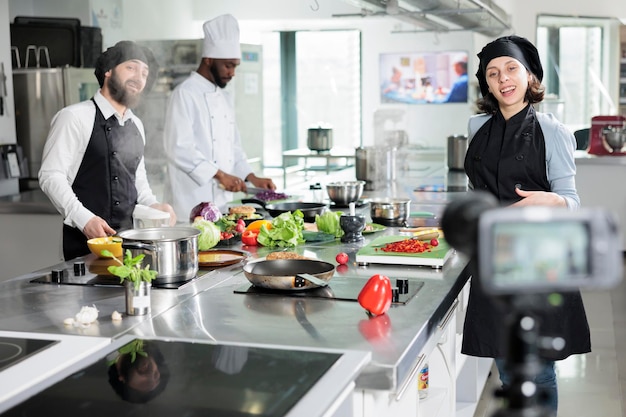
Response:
column 482, row 16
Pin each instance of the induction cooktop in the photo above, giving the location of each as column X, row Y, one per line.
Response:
column 13, row 350
column 68, row 277
column 177, row 378
column 340, row 288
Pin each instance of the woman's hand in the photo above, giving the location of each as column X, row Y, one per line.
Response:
column 539, row 198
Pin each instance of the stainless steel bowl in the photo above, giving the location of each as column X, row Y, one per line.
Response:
column 615, row 138
column 390, row 211
column 345, row 192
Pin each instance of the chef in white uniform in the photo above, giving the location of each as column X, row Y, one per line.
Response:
column 206, row 161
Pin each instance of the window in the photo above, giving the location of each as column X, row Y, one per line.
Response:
column 577, row 61
column 327, row 88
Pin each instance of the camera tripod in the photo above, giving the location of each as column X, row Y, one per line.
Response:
column 523, row 364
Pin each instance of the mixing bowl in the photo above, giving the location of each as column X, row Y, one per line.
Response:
column 615, row 138
column 110, row 243
column 345, row 192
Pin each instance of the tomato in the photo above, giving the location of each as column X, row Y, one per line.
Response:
column 434, row 242
column 257, row 224
column 249, row 238
column 375, row 296
column 342, row 258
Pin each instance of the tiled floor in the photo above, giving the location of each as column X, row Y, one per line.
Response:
column 592, row 385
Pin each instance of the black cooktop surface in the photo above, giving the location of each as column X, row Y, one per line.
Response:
column 13, row 350
column 169, row 378
column 339, row 288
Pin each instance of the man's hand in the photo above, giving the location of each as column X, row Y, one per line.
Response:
column 97, row 227
column 539, row 198
column 230, row 182
column 168, row 209
column 258, row 182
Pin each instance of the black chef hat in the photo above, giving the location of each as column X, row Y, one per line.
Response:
column 514, row 46
column 124, row 51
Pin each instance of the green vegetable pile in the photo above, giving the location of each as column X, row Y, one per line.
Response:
column 328, row 222
column 286, row 231
column 131, row 268
column 209, row 233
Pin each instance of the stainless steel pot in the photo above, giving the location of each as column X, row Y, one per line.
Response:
column 390, row 211
column 171, row 251
column 457, row 148
column 320, row 139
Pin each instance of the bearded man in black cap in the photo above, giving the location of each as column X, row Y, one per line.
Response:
column 92, row 168
column 522, row 157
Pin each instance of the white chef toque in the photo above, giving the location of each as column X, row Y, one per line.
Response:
column 221, row 38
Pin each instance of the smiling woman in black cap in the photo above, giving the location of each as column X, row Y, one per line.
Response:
column 522, row 157
column 92, row 168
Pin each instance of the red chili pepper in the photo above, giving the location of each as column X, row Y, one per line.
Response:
column 408, row 246
column 249, row 238
column 375, row 296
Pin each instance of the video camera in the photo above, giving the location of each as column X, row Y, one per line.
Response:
column 535, row 249
column 521, row 255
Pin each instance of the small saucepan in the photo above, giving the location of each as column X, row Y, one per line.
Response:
column 289, row 274
column 309, row 210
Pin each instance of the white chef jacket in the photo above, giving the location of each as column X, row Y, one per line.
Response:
column 200, row 137
column 70, row 132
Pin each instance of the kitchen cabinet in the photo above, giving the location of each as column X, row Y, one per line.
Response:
column 599, row 181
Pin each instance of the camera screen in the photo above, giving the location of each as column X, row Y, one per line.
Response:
column 542, row 254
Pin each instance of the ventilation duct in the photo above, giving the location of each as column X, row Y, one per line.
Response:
column 482, row 16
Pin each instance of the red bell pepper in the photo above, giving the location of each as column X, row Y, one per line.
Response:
column 249, row 237
column 375, row 329
column 375, row 296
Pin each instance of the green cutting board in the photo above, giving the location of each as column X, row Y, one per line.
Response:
column 373, row 253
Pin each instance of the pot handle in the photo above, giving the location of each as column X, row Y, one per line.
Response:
column 139, row 245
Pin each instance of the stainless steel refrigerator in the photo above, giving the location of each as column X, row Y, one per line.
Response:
column 39, row 94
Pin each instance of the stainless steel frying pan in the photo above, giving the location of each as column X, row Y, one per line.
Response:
column 289, row 274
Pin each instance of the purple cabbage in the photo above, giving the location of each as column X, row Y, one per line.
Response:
column 206, row 210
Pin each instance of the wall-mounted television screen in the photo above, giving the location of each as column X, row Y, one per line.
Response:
column 423, row 77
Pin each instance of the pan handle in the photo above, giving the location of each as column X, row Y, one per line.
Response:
column 253, row 201
column 301, row 278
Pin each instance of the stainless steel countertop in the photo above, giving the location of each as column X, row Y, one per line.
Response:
column 209, row 310
column 27, row 202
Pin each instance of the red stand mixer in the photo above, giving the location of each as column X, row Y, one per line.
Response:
column 607, row 136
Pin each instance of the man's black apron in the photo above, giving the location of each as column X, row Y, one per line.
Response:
column 105, row 182
column 500, row 157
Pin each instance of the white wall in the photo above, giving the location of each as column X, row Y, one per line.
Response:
column 430, row 124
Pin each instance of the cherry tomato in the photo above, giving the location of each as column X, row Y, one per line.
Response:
column 342, row 258
column 375, row 296
column 434, row 242
column 240, row 226
column 249, row 238
column 342, row 269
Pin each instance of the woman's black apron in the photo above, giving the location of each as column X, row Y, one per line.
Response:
column 501, row 156
column 105, row 182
